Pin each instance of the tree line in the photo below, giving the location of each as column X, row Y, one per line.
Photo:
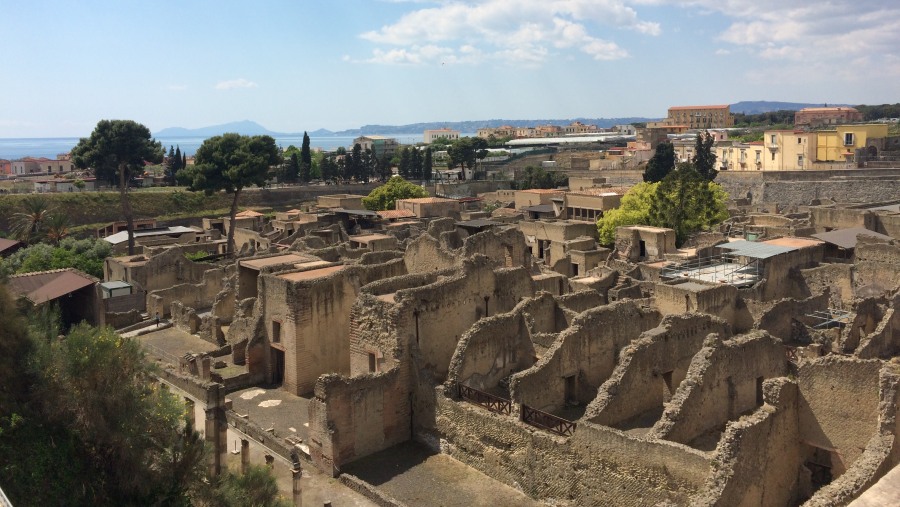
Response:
column 682, row 196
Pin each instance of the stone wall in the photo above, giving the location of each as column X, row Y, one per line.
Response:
column 596, row 466
column 587, row 350
column 651, row 368
column 838, row 406
column 877, row 267
column 757, row 460
column 723, row 382
column 350, row 418
column 194, row 295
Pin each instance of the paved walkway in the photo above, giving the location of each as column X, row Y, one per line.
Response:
column 170, row 343
column 412, row 474
column 273, row 408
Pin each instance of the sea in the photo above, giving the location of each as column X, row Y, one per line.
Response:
column 12, row 149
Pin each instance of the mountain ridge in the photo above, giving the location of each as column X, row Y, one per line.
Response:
column 249, row 127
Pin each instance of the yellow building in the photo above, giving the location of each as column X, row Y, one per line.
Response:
column 734, row 156
column 789, row 150
column 840, row 144
column 702, row 117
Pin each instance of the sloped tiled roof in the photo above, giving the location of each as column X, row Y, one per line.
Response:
column 44, row 286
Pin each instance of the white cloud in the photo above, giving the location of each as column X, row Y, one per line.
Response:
column 524, row 31
column 177, row 87
column 830, row 37
column 722, row 52
column 235, row 84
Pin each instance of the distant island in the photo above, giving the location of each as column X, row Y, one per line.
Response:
column 249, row 127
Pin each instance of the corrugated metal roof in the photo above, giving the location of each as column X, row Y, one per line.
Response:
column 755, row 250
column 847, row 238
column 122, row 236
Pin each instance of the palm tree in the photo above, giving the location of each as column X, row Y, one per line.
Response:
column 57, row 227
column 27, row 225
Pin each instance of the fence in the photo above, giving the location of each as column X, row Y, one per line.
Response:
column 547, row 421
column 483, row 399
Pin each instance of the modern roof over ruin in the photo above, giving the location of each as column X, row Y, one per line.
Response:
column 847, row 238
column 122, row 236
column 756, row 250
column 390, row 214
column 273, row 261
column 46, row 286
column 311, row 273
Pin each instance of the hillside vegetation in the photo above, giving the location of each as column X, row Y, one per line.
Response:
column 90, row 208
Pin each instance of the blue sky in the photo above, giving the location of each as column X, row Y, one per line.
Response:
column 308, row 64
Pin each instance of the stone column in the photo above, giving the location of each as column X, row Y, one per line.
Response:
column 297, row 474
column 245, row 455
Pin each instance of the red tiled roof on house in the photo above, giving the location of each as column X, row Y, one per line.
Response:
column 677, row 108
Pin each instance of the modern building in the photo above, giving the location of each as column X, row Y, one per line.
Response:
column 842, row 143
column 737, row 156
column 788, row 150
column 702, row 117
column 31, row 165
column 448, row 134
column 380, row 145
column 819, row 116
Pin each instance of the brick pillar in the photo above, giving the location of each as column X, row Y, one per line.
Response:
column 212, row 436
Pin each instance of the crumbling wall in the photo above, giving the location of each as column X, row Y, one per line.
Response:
column 491, row 350
column 692, row 296
column 757, row 460
column 724, row 381
column 200, row 295
column 651, row 368
column 877, row 268
column 586, row 350
column 595, row 466
column 581, row 301
column 884, row 341
column 506, row 248
column 837, row 279
column 781, row 317
column 425, row 254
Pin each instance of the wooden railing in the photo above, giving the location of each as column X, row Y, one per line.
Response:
column 547, row 421
column 486, row 400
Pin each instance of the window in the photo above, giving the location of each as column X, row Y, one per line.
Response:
column 848, row 139
column 758, row 157
column 799, row 160
column 773, row 156
column 799, row 140
column 773, row 141
column 276, row 331
column 373, row 363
